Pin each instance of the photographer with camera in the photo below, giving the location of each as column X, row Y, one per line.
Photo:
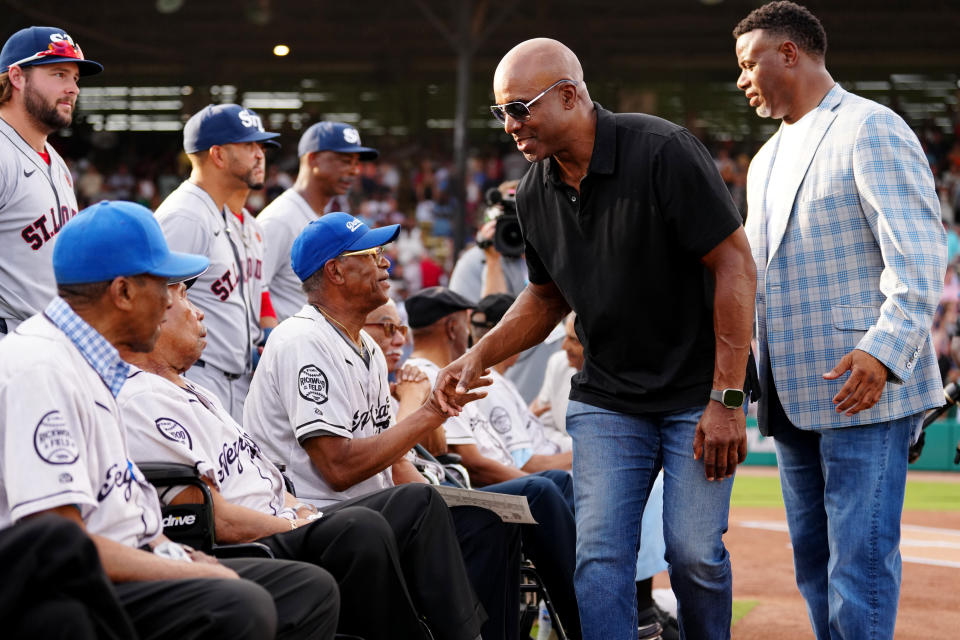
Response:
column 495, row 264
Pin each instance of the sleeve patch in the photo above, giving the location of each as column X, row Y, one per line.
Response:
column 313, row 384
column 173, row 430
column 53, row 441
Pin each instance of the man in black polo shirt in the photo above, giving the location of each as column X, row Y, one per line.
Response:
column 627, row 222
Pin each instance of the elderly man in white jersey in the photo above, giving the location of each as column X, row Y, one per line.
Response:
column 206, row 215
column 330, row 156
column 63, row 443
column 320, row 403
column 39, row 71
column 174, row 420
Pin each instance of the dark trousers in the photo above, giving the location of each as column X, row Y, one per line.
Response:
column 53, row 584
column 491, row 552
column 551, row 544
column 276, row 598
column 395, row 556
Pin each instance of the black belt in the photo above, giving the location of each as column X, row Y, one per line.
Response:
column 226, row 374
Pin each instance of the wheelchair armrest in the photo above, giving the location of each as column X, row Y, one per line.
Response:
column 242, row 550
column 449, row 458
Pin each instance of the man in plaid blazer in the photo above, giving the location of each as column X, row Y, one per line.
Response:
column 844, row 225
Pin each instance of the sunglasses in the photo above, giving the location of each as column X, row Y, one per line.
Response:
column 519, row 110
column 390, row 328
column 61, row 48
column 376, row 252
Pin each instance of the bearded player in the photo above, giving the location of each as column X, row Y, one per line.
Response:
column 39, row 71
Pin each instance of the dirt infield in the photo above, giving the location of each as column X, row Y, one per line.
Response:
column 763, row 571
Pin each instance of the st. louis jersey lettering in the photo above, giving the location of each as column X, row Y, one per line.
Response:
column 46, row 226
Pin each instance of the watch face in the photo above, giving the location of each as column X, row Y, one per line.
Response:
column 733, row 398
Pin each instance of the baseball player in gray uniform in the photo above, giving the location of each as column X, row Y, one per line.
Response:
column 206, row 215
column 39, row 69
column 330, row 156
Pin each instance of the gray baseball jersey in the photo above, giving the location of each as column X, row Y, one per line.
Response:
column 282, row 221
column 229, row 291
column 471, row 426
column 36, row 200
column 168, row 423
column 62, row 440
column 312, row 382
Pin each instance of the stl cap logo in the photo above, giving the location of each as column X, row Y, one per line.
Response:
column 353, row 225
column 351, row 135
column 250, row 119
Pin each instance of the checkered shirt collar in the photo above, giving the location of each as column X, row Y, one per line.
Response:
column 95, row 349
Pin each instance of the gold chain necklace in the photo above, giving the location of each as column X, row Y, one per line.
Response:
column 326, row 314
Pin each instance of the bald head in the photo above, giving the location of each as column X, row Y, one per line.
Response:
column 560, row 120
column 541, row 61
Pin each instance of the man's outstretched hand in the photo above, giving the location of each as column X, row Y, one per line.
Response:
column 456, row 381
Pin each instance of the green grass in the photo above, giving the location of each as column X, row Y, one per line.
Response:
column 742, row 608
column 753, row 491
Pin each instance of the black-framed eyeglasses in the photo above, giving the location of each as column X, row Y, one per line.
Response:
column 519, row 110
column 389, row 328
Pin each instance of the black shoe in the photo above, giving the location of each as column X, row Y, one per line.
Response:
column 650, row 631
column 669, row 629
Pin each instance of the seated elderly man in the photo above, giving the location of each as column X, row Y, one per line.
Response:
column 63, row 451
column 320, row 404
column 520, row 430
column 172, row 419
column 439, row 321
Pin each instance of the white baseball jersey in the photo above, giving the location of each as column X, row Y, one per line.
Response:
column 229, row 291
column 512, row 419
column 555, row 394
column 312, row 382
column 282, row 221
column 63, row 440
column 167, row 423
column 471, row 426
column 36, row 200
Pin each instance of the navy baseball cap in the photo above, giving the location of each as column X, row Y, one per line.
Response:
column 224, row 124
column 334, row 136
column 44, row 45
column 115, row 238
column 433, row 303
column 332, row 234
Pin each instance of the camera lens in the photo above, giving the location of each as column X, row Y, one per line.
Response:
column 507, row 239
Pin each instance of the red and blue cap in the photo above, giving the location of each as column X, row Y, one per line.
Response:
column 116, row 238
column 334, row 136
column 44, row 45
column 218, row 124
column 332, row 234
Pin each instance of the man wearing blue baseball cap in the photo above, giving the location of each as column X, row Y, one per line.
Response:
column 320, row 404
column 39, row 70
column 206, row 215
column 63, row 448
column 330, row 157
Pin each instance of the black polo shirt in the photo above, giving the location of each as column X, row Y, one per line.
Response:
column 625, row 253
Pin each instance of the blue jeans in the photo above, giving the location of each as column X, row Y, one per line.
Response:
column 843, row 491
column 616, row 458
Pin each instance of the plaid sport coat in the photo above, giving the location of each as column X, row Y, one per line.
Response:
column 859, row 263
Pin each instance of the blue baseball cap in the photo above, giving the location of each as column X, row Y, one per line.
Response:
column 332, row 234
column 224, row 124
column 334, row 136
column 44, row 45
column 115, row 238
